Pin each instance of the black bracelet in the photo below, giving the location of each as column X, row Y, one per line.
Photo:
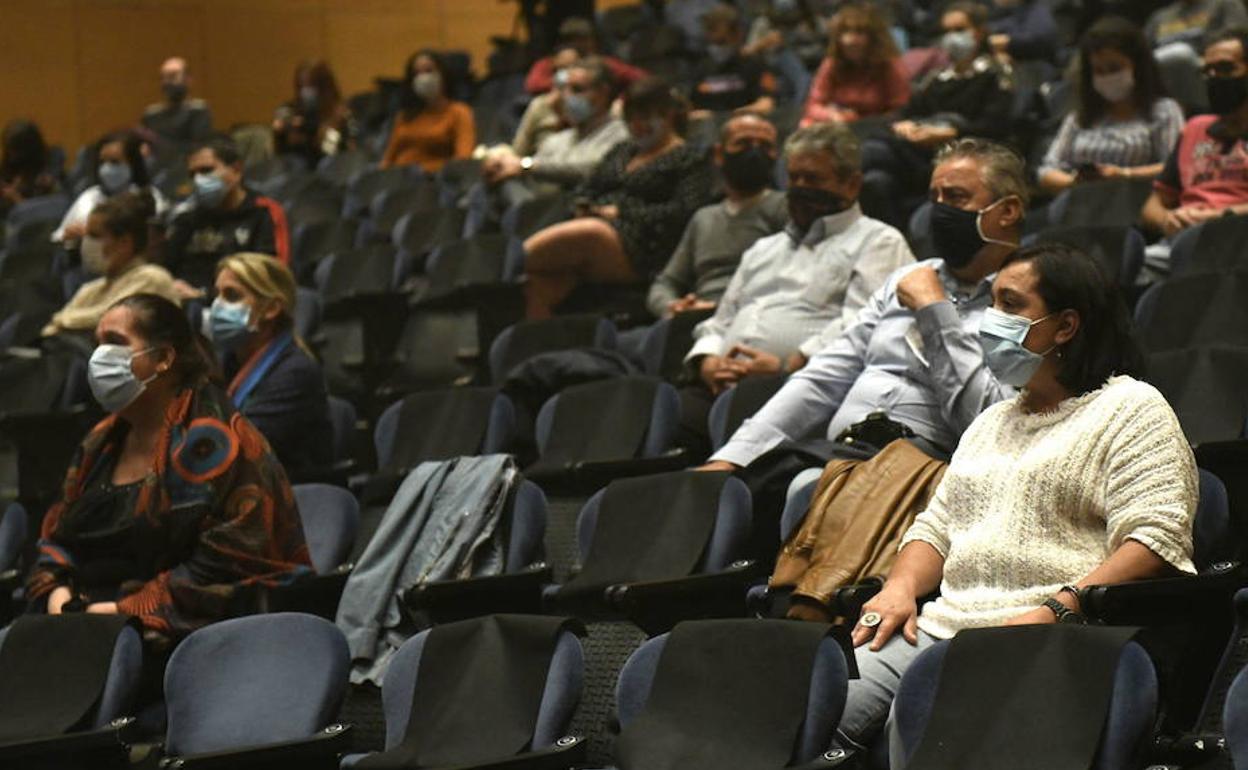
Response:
column 1073, row 591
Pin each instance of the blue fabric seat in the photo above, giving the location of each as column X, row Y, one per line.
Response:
column 1128, row 725
column 342, row 418
column 661, row 422
column 824, row 705
column 256, row 681
column 564, row 683
column 747, row 396
column 507, row 350
column 499, row 434
column 13, row 527
column 330, row 516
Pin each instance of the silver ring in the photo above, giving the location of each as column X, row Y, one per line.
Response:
column 870, row 620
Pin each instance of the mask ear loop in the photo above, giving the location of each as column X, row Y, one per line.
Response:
column 979, row 223
column 155, row 374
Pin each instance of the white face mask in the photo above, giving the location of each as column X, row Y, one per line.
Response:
column 1116, row 86
column 111, row 376
column 427, row 85
column 91, row 249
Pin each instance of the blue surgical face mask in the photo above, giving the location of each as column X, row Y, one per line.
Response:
column 114, row 177
column 111, row 378
column 577, row 108
column 210, row 190
column 1001, row 335
column 229, row 323
column 960, row 45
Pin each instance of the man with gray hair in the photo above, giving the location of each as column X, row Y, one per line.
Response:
column 791, row 287
column 913, row 351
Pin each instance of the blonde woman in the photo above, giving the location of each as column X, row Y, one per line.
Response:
column 273, row 379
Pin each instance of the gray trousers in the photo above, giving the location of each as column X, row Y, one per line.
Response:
column 869, row 701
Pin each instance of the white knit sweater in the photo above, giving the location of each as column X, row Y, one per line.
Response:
column 1032, row 502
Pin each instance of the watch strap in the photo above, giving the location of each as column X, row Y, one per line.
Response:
column 1064, row 614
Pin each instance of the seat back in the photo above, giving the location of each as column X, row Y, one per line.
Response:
column 371, row 184
column 443, row 424
column 1213, row 538
column 1101, row 202
column 1205, row 386
column 739, row 403
column 466, row 262
column 667, row 342
column 1194, row 310
column 367, row 270
column 436, row 349
column 564, row 681
column 733, row 518
column 343, row 167
column 619, row 404
column 1217, row 246
column 526, row 339
column 307, row 312
column 330, row 516
column 824, row 705
column 342, row 418
column 254, row 681
column 418, row 233
column 527, row 527
column 13, row 526
column 1128, row 725
column 1119, row 249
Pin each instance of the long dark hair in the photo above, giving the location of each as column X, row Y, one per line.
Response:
column 1118, row 34
column 410, row 102
column 131, row 148
column 164, row 324
column 1105, row 344
column 25, row 154
column 321, row 78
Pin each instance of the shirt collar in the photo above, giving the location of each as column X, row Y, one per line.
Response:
column 825, row 227
column 958, row 293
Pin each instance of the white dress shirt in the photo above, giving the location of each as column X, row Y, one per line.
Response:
column 788, row 291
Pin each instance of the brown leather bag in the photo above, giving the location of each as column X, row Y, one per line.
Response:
column 859, row 512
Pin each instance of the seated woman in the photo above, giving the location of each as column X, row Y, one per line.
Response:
column 173, row 501
column 114, row 247
column 631, row 211
column 431, row 128
column 862, row 75
column 315, row 123
column 1084, row 478
column 24, row 165
column 119, row 169
column 273, row 379
column 1123, row 127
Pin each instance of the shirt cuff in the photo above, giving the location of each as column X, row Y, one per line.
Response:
column 811, row 346
column 739, row 453
column 710, row 345
column 936, row 317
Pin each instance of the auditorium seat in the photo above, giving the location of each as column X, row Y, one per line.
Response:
column 440, row 424
column 1125, row 736
column 13, row 532
column 460, row 265
column 1217, row 246
column 96, row 737
column 801, row 742
column 659, row 549
column 258, row 691
column 667, row 341
column 526, row 339
column 1118, row 248
column 390, row 205
column 418, row 233
column 1194, row 310
column 343, row 167
column 413, row 680
column 1101, row 202
column 739, row 403
column 313, row 241
column 371, row 184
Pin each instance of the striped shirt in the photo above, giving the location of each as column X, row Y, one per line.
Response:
column 1117, row 143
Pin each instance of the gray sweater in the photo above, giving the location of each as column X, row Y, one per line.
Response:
column 711, row 248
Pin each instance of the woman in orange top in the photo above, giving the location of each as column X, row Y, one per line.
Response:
column 862, row 74
column 431, row 128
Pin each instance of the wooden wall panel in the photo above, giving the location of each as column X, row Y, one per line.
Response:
column 81, row 67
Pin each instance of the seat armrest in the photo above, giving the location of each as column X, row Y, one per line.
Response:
column 1164, row 601
column 338, row 475
column 316, row 753
column 447, row 600
column 847, row 601
column 658, row 605
column 313, row 594
column 567, row 752
column 768, row 602
column 116, row 735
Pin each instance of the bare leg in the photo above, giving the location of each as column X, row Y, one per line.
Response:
column 561, row 256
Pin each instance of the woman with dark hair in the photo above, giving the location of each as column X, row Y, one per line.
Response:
column 174, row 501
column 114, row 250
column 23, row 164
column 314, row 123
column 431, row 128
column 630, row 212
column 1084, row 478
column 119, row 168
column 1123, row 125
column 862, row 74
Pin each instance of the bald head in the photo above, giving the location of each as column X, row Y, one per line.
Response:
column 174, row 78
column 748, row 124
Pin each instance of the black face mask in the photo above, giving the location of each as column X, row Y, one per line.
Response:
column 809, row 204
column 749, row 170
column 174, row 92
column 1226, row 94
column 956, row 233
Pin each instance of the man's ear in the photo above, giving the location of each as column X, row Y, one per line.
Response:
column 1011, row 211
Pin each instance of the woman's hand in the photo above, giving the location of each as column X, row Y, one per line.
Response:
column 1033, row 618
column 57, row 599
column 103, row 608
column 896, row 609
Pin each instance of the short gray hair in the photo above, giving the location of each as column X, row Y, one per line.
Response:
column 1003, row 170
column 835, row 139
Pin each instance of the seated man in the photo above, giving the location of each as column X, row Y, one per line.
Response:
column 914, row 350
column 1205, row 176
column 543, row 115
column 564, row 159
column 1177, row 32
column 579, row 34
column 790, row 286
column 727, row 79
column 179, row 120
column 221, row 218
column 717, row 235
column 973, row 96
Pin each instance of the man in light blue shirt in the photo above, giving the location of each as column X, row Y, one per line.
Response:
column 913, row 351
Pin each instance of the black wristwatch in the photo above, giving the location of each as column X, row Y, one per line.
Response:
column 1064, row 614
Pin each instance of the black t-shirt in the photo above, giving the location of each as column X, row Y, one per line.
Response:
column 182, row 124
column 199, row 238
column 731, row 85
